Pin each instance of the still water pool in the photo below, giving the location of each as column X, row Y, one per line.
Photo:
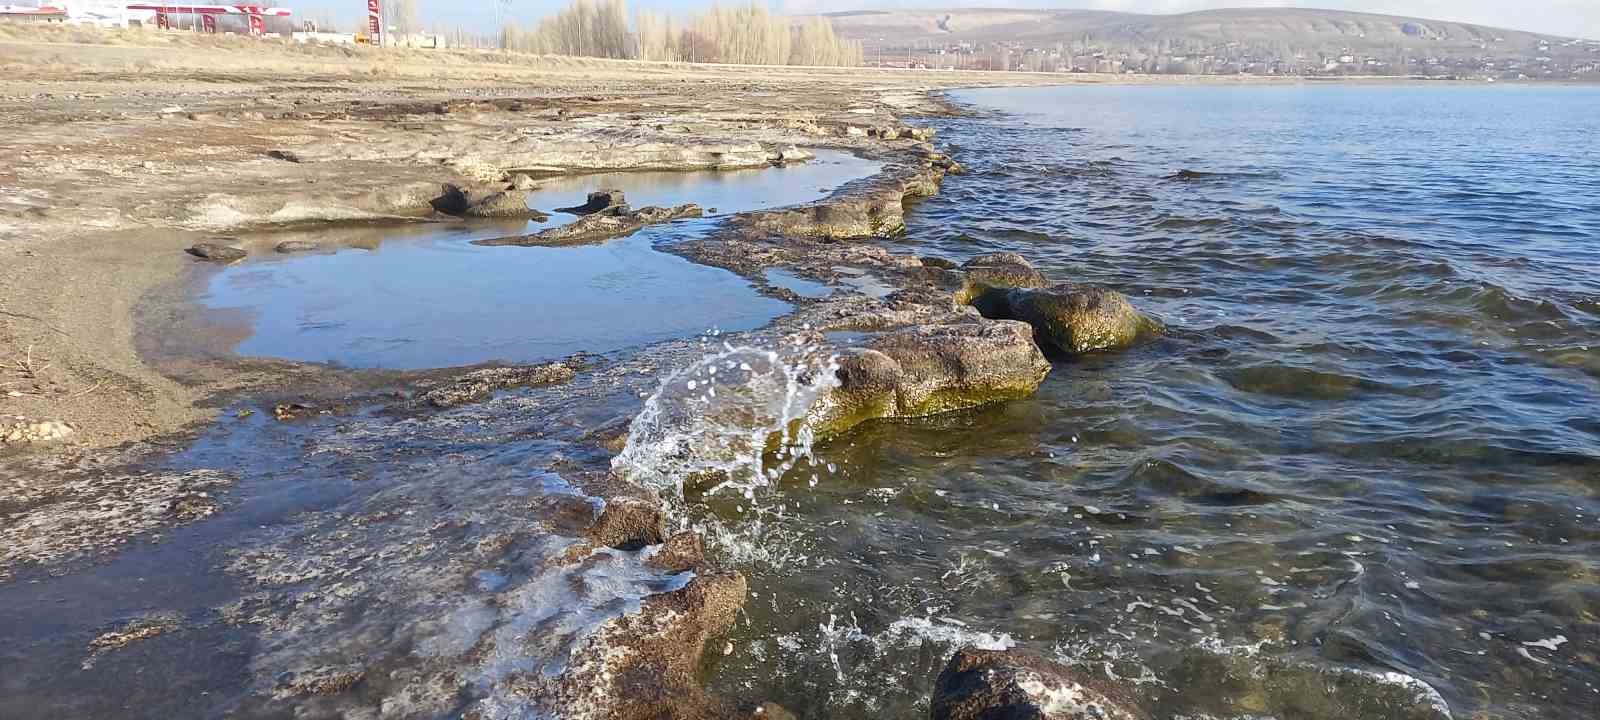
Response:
column 425, row 296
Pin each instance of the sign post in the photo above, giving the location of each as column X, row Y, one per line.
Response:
column 375, row 21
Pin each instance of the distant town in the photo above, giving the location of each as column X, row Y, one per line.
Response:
column 1544, row 60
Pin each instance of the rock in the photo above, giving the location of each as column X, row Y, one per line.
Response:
column 285, row 155
column 1071, row 319
column 217, row 252
column 1002, row 270
column 321, row 680
column 773, row 711
column 644, row 665
column 629, row 524
column 505, row 204
column 598, row 227
column 929, row 369
column 599, row 201
column 478, row 385
column 510, row 203
column 792, row 154
column 22, row 430
column 1279, row 687
column 1011, row 685
column 684, row 551
column 871, row 208
column 296, row 246
column 289, row 411
column 875, row 213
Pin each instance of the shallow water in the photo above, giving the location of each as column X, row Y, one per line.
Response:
column 1368, row 446
column 421, row 297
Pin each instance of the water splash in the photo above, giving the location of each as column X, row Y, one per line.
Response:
column 734, row 420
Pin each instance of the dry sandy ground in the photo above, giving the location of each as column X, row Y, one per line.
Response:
column 123, row 148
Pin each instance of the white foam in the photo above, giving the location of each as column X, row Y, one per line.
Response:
column 754, row 395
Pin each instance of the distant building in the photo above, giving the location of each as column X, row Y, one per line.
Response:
column 42, row 14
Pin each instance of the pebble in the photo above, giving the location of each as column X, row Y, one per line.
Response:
column 21, row 430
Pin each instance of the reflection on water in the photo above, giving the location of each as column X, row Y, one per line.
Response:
column 424, row 296
column 1363, row 468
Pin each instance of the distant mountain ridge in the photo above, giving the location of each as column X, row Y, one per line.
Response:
column 1294, row 39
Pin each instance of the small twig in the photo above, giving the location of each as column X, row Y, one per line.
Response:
column 91, row 389
column 27, row 368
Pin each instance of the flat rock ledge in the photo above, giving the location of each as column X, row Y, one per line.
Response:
column 478, row 385
column 1012, row 685
column 872, row 207
column 598, row 227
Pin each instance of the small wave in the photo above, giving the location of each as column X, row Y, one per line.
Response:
column 1168, row 478
column 1187, row 175
column 1300, row 383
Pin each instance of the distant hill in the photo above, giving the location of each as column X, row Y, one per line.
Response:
column 1285, row 40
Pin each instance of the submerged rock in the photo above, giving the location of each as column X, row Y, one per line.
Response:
column 643, row 666
column 1011, row 685
column 296, row 246
column 600, row 201
column 1071, row 319
column 478, row 385
column 598, row 227
column 930, row 369
column 217, row 252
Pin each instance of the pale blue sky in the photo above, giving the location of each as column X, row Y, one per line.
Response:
column 1560, row 17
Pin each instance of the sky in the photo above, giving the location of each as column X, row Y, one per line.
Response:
column 1580, row 18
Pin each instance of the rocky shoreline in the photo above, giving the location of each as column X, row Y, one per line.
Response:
column 929, row 336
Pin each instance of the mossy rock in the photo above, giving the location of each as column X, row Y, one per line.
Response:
column 930, row 369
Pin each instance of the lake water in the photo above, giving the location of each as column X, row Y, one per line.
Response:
column 1366, row 458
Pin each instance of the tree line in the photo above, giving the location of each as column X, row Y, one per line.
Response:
column 745, row 34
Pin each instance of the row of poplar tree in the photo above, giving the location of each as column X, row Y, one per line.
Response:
column 746, row 34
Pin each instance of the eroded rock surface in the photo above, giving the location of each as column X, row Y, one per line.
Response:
column 478, row 385
column 511, row 202
column 599, row 227
column 296, row 246
column 72, row 512
column 930, row 369
column 870, row 208
column 1072, row 319
column 643, row 666
column 217, row 252
column 1012, row 685
column 991, row 271
column 599, row 201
